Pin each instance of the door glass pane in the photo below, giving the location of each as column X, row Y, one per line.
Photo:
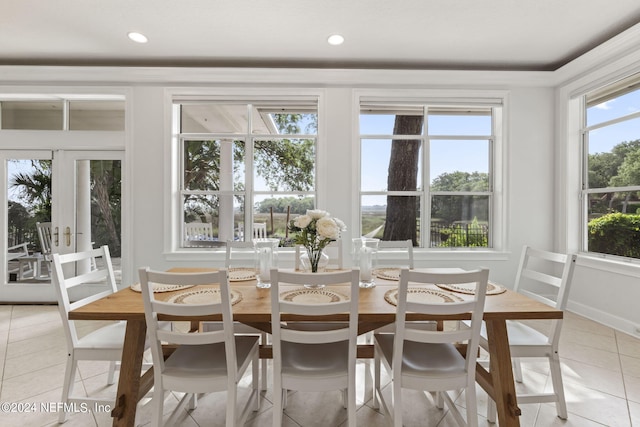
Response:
column 98, row 208
column 29, row 202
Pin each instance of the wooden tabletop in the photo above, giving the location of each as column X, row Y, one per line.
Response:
column 254, row 306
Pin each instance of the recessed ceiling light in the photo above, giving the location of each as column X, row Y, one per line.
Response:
column 335, row 39
column 137, row 37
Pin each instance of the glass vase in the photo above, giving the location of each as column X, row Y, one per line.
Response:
column 314, row 261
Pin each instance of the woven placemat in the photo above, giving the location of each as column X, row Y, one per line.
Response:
column 387, row 273
column 241, row 274
column 313, row 296
column 470, row 288
column 203, row 296
column 159, row 287
column 423, row 295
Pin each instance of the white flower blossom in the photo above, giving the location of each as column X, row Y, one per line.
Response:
column 302, row 221
column 327, row 228
column 341, row 225
column 317, row 213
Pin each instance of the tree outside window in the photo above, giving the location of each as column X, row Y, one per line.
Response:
column 449, row 149
column 611, row 180
column 243, row 164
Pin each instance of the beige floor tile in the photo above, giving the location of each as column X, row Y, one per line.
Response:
column 628, row 345
column 597, row 381
column 630, row 366
column 634, row 410
column 592, row 356
column 593, row 377
column 32, row 384
column 596, row 406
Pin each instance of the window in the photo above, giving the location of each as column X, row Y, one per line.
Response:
column 245, row 166
column 438, row 189
column 611, row 172
column 88, row 112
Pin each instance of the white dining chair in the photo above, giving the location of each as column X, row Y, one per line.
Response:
column 312, row 359
column 104, row 343
column 395, row 253
column 428, row 360
column 241, row 254
column 202, row 362
column 546, row 277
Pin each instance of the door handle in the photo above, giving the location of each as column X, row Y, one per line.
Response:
column 67, row 234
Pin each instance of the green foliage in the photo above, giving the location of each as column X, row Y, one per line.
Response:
column 620, row 167
column 615, row 234
column 461, row 181
column 466, row 235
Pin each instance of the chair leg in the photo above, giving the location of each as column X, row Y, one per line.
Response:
column 492, row 411
column 112, row 373
column 263, row 386
column 232, row 407
column 376, row 380
column 255, row 383
column 193, row 402
column 397, row 403
column 558, row 388
column 517, row 369
column 351, row 407
column 158, row 401
column 277, row 403
column 67, row 388
column 472, row 405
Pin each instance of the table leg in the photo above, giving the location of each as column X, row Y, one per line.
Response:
column 124, row 412
column 501, row 373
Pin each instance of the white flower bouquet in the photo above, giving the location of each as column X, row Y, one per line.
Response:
column 315, row 230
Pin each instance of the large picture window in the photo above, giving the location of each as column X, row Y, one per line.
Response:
column 436, row 185
column 246, row 168
column 611, row 173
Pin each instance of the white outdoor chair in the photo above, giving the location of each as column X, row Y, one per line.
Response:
column 44, row 235
column 313, row 359
column 203, row 362
column 546, row 277
column 259, row 230
column 198, row 230
column 102, row 344
column 333, row 251
column 429, row 360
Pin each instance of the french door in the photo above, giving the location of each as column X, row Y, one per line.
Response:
column 75, row 195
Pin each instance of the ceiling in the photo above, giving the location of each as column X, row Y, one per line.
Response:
column 406, row 34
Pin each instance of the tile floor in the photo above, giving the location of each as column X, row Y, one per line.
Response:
column 601, row 370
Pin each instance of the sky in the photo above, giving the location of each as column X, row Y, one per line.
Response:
column 603, row 139
column 446, row 156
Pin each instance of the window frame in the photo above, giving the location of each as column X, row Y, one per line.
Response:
column 497, row 167
column 587, row 99
column 296, row 102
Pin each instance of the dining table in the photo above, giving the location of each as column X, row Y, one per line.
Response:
column 252, row 306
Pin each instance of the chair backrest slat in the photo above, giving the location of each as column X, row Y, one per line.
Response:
column 340, row 332
column 546, row 277
column 69, row 272
column 155, row 309
column 397, row 253
column 475, row 304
